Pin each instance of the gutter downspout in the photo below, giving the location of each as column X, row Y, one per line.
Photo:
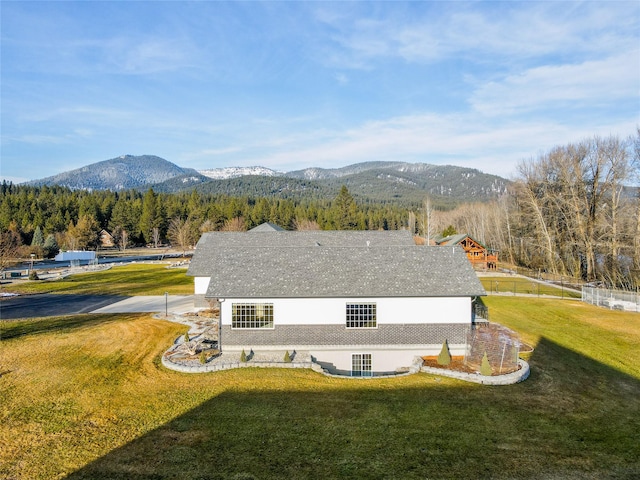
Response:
column 220, row 301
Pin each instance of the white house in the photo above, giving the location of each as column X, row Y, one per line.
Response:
column 361, row 302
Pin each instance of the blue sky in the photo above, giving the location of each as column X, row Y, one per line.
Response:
column 289, row 85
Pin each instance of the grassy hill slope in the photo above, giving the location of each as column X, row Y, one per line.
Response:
column 89, row 400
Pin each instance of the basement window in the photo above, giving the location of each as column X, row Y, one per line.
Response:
column 252, row 315
column 361, row 365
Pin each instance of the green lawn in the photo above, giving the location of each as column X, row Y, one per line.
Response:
column 85, row 396
column 521, row 285
column 131, row 279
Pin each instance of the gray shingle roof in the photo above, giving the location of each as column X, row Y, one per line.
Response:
column 267, row 227
column 306, row 272
column 451, row 239
column 202, row 263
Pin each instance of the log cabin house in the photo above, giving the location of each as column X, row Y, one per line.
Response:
column 481, row 257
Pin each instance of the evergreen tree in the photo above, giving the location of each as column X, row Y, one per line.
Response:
column 50, row 246
column 149, row 218
column 450, row 230
column 123, row 216
column 87, row 231
column 38, row 238
column 445, row 356
column 345, row 211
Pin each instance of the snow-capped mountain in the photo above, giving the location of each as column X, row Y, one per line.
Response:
column 234, row 172
column 378, row 181
column 120, row 173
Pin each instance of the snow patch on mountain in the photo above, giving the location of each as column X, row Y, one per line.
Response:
column 233, row 172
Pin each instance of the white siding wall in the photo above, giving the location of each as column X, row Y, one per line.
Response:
column 382, row 360
column 331, row 311
column 201, row 284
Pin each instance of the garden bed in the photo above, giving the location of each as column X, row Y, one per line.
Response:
column 457, row 364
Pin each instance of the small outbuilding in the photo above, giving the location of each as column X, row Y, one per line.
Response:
column 75, row 255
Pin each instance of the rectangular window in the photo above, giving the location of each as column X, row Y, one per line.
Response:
column 361, row 315
column 361, row 365
column 252, row 315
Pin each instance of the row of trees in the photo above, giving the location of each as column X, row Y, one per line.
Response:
column 33, row 216
column 574, row 210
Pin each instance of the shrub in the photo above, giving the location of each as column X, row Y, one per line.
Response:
column 33, row 275
column 485, row 368
column 243, row 356
column 203, row 357
column 445, row 356
column 287, row 357
column 186, row 337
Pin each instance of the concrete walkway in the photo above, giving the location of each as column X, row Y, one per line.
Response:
column 176, row 304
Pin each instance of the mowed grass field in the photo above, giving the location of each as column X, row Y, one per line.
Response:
column 130, row 279
column 85, row 397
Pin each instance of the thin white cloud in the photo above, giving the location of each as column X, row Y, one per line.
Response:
column 138, row 56
column 558, row 86
column 530, row 30
column 459, row 139
column 84, row 113
column 36, row 139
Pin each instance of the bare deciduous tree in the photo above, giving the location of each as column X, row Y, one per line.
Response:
column 207, row 226
column 426, row 221
column 235, row 224
column 573, row 208
column 9, row 244
column 155, row 235
column 303, row 224
column 180, row 233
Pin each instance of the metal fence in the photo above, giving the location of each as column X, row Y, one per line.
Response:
column 571, row 282
column 612, row 299
column 500, row 344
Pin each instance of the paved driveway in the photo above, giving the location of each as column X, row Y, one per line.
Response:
column 174, row 304
column 49, row 305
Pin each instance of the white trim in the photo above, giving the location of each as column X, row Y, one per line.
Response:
column 389, row 311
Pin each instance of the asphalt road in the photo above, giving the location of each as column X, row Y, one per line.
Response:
column 48, row 305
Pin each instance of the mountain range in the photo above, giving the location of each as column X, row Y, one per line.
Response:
column 397, row 182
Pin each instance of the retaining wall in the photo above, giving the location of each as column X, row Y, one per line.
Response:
column 518, row 376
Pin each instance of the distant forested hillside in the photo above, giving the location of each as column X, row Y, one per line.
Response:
column 400, row 183
column 121, row 173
